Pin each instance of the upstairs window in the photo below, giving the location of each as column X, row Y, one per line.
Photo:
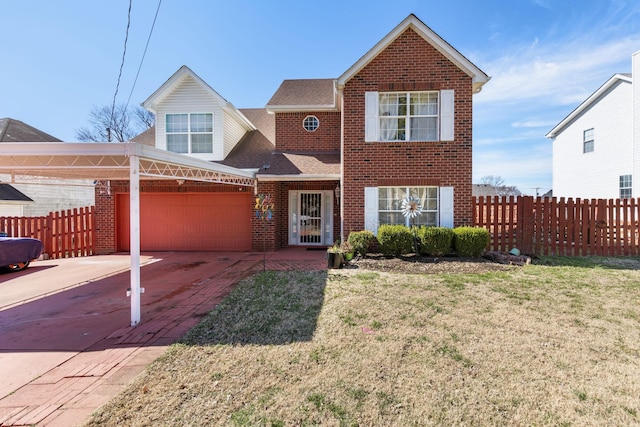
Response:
column 190, row 133
column 409, row 116
column 587, row 141
column 625, row 186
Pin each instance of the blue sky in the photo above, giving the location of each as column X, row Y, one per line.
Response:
column 62, row 57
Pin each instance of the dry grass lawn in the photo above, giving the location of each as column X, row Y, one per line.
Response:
column 555, row 344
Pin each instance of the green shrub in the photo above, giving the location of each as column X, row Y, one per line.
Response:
column 470, row 241
column 435, row 241
column 395, row 240
column 360, row 241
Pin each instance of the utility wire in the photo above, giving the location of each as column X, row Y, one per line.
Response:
column 124, row 52
column 143, row 54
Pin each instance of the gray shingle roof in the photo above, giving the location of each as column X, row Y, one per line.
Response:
column 12, row 130
column 10, row 193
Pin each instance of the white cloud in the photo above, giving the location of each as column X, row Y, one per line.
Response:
column 559, row 74
column 533, row 124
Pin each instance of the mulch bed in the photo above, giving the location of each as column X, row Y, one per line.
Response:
column 426, row 265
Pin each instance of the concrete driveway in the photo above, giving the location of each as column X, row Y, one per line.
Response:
column 66, row 346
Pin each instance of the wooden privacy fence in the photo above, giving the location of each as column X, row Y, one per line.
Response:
column 548, row 226
column 64, row 234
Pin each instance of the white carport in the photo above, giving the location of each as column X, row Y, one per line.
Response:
column 115, row 161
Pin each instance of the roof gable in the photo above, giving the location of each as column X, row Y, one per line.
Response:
column 12, row 130
column 479, row 78
column 173, row 83
column 10, row 193
column 591, row 100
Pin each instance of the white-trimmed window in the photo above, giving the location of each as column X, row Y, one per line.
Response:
column 625, row 186
column 587, row 141
column 383, row 205
column 190, row 133
column 310, row 123
column 390, row 205
column 409, row 116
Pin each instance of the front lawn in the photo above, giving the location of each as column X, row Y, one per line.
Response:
column 556, row 343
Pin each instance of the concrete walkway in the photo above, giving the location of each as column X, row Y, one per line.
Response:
column 66, row 346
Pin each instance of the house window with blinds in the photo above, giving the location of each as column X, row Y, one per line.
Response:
column 383, row 205
column 409, row 116
column 625, row 186
column 190, row 133
column 587, row 141
column 390, row 205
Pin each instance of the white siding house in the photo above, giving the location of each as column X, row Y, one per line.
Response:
column 596, row 148
column 43, row 195
column 193, row 119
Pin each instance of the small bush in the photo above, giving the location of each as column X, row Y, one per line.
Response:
column 360, row 241
column 470, row 241
column 435, row 241
column 395, row 240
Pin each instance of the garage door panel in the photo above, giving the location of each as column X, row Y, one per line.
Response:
column 189, row 222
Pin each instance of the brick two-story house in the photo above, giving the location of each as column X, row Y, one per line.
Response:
column 335, row 155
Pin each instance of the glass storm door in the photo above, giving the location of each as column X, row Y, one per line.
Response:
column 310, row 217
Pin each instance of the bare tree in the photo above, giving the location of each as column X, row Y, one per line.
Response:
column 499, row 186
column 492, row 181
column 122, row 126
column 144, row 117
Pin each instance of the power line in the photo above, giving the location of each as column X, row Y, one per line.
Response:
column 124, row 52
column 143, row 54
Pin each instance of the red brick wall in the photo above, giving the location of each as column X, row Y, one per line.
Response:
column 290, row 135
column 409, row 63
column 276, row 232
column 105, row 226
column 265, row 233
column 272, row 235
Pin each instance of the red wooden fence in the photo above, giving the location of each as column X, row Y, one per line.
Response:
column 64, row 234
column 560, row 227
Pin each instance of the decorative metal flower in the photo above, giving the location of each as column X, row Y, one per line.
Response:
column 411, row 207
column 264, row 207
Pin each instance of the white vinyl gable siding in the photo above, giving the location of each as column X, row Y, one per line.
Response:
column 233, row 133
column 189, row 97
column 596, row 174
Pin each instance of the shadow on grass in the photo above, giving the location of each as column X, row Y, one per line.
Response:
column 611, row 263
column 270, row 308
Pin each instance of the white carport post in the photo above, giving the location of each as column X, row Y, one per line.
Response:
column 134, row 236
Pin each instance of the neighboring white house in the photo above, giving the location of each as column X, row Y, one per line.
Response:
column 12, row 201
column 596, row 148
column 43, row 195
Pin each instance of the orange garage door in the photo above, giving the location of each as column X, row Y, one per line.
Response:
column 188, row 221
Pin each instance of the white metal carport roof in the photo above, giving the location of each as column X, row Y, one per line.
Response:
column 123, row 161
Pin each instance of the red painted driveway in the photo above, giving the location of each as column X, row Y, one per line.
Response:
column 66, row 346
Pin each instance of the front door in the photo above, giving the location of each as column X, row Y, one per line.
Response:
column 311, row 221
column 310, row 218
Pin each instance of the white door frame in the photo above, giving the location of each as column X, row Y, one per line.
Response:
column 294, row 218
